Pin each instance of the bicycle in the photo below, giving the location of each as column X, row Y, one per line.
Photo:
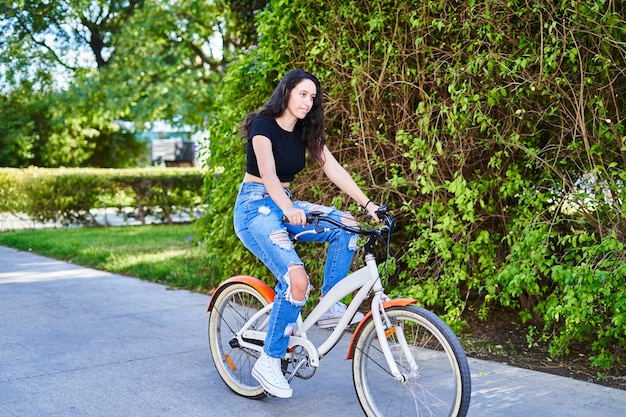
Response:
column 405, row 359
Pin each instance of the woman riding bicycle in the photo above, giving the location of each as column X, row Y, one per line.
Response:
column 289, row 124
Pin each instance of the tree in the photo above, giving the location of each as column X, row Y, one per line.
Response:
column 59, row 37
column 103, row 61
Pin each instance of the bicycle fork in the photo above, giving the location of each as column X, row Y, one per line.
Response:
column 384, row 328
column 383, row 324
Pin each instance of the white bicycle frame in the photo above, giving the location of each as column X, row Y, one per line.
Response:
column 368, row 280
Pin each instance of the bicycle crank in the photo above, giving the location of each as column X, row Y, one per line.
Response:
column 298, row 364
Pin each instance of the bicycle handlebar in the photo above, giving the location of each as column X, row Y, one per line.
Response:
column 373, row 234
column 383, row 214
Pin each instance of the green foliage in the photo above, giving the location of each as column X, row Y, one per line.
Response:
column 227, row 157
column 34, row 132
column 164, row 67
column 494, row 129
column 23, row 127
column 587, row 303
column 70, row 195
column 74, row 68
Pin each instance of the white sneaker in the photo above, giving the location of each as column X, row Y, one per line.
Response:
column 268, row 372
column 334, row 314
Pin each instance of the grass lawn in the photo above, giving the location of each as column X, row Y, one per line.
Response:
column 167, row 254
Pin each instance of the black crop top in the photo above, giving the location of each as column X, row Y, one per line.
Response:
column 288, row 148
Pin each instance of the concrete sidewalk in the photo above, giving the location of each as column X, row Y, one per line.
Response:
column 79, row 342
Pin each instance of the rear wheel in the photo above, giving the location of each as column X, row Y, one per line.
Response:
column 438, row 385
column 233, row 307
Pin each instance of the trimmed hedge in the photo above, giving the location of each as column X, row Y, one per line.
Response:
column 69, row 195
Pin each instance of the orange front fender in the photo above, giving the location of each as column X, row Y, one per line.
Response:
column 393, row 303
column 265, row 290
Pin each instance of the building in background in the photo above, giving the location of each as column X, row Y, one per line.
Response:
column 172, row 146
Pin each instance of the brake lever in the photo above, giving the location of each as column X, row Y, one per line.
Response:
column 383, row 214
column 313, row 218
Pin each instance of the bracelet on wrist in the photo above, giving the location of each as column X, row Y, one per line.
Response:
column 367, row 204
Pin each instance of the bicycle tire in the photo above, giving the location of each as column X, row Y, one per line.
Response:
column 233, row 307
column 441, row 387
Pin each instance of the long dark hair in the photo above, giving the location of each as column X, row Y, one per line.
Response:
column 312, row 124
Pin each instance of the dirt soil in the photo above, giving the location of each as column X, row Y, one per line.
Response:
column 502, row 338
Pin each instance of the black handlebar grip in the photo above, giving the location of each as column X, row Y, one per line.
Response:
column 382, row 211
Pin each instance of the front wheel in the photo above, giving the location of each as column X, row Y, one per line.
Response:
column 436, row 377
column 233, row 307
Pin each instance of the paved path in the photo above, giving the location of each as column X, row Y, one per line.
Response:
column 79, row 342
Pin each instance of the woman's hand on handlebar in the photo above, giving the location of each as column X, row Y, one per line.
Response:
column 372, row 209
column 383, row 214
column 295, row 216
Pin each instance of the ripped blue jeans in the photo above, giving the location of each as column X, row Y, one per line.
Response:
column 259, row 225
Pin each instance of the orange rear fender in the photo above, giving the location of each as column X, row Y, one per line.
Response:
column 265, row 290
column 401, row 302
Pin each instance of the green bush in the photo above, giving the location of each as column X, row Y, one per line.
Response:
column 69, row 195
column 493, row 128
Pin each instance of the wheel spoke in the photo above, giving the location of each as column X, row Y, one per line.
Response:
column 431, row 389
